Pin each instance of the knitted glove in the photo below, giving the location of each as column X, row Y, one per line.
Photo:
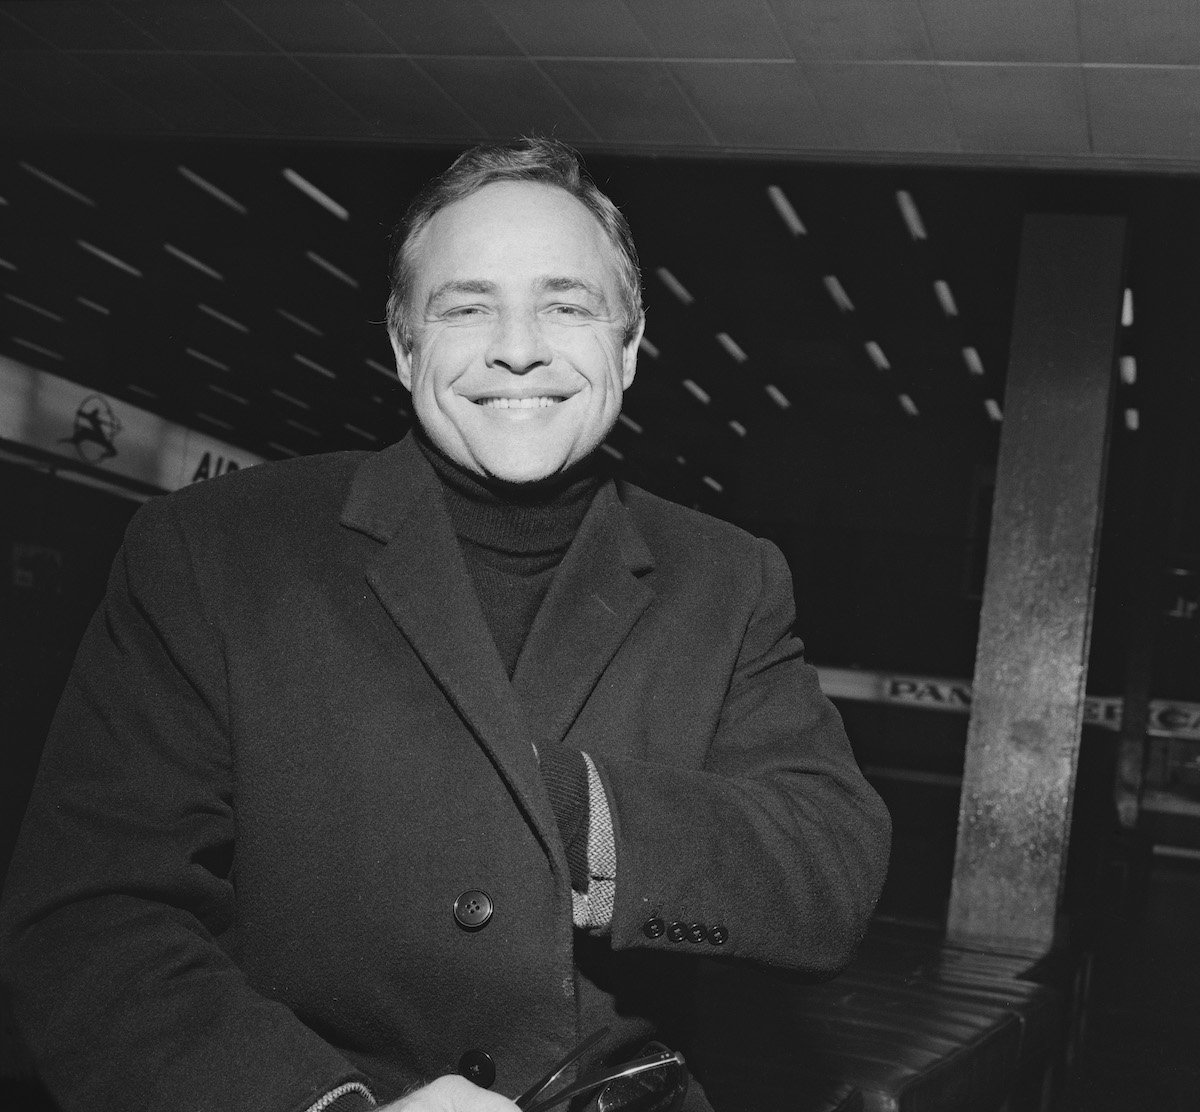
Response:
column 566, row 777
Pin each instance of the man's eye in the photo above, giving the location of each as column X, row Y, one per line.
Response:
column 568, row 310
column 463, row 311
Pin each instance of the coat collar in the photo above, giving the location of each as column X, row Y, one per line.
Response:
column 420, row 577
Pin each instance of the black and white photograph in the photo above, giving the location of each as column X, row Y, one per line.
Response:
column 599, row 555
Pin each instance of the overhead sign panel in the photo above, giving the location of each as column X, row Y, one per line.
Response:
column 105, row 434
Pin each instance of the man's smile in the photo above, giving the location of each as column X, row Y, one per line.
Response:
column 537, row 401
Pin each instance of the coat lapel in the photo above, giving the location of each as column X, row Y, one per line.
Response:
column 422, row 582
column 594, row 599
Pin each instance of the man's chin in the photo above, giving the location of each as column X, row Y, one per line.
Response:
column 518, row 465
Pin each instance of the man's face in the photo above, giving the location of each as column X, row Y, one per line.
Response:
column 518, row 360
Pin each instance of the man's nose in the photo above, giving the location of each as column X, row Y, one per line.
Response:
column 517, row 344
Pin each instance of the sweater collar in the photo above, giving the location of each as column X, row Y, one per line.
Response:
column 515, row 518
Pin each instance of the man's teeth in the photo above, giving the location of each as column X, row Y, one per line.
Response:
column 519, row 403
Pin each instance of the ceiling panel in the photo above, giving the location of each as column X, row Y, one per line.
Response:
column 396, row 98
column 84, row 26
column 181, row 96
column 1002, row 30
column 447, row 27
column 1138, row 111
column 885, row 107
column 854, row 30
column 322, row 26
column 597, row 29
column 713, row 29
column 75, row 93
column 193, row 27
column 1009, row 110
column 771, row 97
column 284, row 95
column 1166, row 32
column 15, row 36
column 508, row 97
column 630, row 102
column 21, row 112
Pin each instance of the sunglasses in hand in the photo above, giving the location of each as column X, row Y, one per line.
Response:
column 656, row 1081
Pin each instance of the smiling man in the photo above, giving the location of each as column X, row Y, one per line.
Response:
column 389, row 778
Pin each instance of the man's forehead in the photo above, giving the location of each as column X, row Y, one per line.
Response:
column 505, row 206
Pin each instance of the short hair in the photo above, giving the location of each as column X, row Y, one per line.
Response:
column 536, row 159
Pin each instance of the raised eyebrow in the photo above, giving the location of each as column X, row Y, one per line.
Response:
column 460, row 285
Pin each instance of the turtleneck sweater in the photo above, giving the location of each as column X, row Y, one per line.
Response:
column 513, row 536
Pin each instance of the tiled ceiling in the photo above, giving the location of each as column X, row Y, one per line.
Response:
column 822, row 267
column 1051, row 83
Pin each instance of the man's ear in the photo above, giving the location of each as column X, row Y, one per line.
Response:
column 403, row 359
column 629, row 354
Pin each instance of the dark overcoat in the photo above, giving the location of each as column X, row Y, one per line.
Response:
column 288, row 745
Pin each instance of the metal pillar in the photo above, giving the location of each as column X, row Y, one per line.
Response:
column 1035, row 623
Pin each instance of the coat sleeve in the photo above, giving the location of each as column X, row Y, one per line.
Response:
column 777, row 847
column 118, row 921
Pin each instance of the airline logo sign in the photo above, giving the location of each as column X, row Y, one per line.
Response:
column 44, row 411
column 926, row 692
column 1167, row 717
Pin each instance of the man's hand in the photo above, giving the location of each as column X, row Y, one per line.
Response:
column 451, row 1094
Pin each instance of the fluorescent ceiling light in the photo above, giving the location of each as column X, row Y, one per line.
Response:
column 199, row 355
column 697, row 392
column 61, row 186
column 329, row 268
column 877, row 357
column 786, row 212
column 1131, row 420
column 93, row 305
column 777, row 396
column 993, row 409
column 674, row 285
column 945, row 298
column 909, row 406
column 32, row 307
column 313, row 193
column 629, row 422
column 646, row 346
column 193, row 262
column 234, row 324
column 212, row 190
column 1129, row 370
column 710, row 481
column 37, row 347
column 612, row 451
column 738, row 427
column 730, row 345
column 312, row 328
column 838, row 292
column 289, row 398
column 314, row 366
column 228, row 394
column 109, row 258
column 912, row 216
column 972, row 360
column 1127, row 309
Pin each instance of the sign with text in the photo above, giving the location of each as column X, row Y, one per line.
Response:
column 105, row 434
column 1167, row 717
